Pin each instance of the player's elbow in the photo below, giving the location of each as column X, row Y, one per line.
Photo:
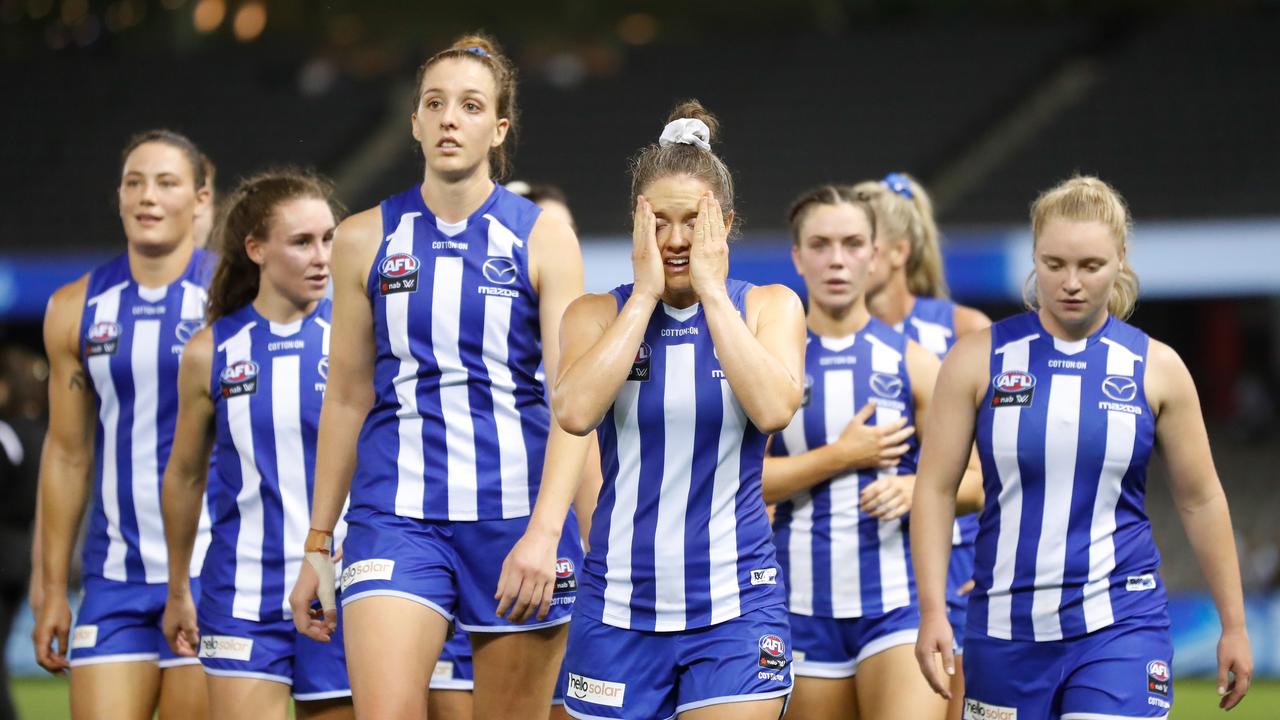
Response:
column 573, row 416
column 776, row 414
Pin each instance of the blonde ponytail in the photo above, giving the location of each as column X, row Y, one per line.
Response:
column 904, row 210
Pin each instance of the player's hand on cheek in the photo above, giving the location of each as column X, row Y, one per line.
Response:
column 709, row 254
column 646, row 257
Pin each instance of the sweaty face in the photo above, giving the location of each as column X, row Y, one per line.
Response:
column 294, row 257
column 456, row 121
column 674, row 200
column 1076, row 266
column 157, row 196
column 835, row 254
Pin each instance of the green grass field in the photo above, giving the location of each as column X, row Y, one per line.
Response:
column 46, row 699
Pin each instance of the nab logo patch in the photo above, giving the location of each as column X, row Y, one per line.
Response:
column 773, row 652
column 1119, row 388
column 239, row 378
column 640, row 368
column 187, row 328
column 1158, row 677
column 566, row 578
column 500, row 271
column 885, row 385
column 398, row 273
column 1013, row 389
column 103, row 338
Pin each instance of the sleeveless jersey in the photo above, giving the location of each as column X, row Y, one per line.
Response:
column 132, row 339
column 1064, row 433
column 932, row 323
column 459, row 423
column 840, row 562
column 267, row 383
column 680, row 538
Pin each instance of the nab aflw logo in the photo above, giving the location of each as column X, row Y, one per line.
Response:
column 103, row 338
column 398, row 273
column 640, row 368
column 1013, row 389
column 239, row 378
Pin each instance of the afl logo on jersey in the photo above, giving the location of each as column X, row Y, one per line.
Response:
column 808, row 390
column 1158, row 677
column 103, row 338
column 239, row 378
column 566, row 578
column 398, row 273
column 885, row 385
column 640, row 368
column 773, row 652
column 500, row 271
column 186, row 329
column 1119, row 388
column 1013, row 389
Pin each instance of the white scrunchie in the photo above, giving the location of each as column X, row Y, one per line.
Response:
column 686, row 131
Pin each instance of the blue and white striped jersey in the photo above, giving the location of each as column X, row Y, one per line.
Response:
column 1064, row 433
column 267, row 383
column 679, row 538
column 932, row 323
column 838, row 561
column 132, row 339
column 459, row 424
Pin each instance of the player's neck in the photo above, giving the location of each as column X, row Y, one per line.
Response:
column 159, row 269
column 453, row 200
column 838, row 322
column 277, row 308
column 894, row 302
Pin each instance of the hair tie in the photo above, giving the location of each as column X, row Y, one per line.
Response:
column 477, row 51
column 686, row 131
column 900, row 185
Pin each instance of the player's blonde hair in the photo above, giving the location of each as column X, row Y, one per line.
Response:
column 1084, row 198
column 903, row 210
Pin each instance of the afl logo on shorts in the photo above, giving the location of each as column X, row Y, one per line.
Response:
column 1119, row 388
column 1158, row 677
column 1013, row 389
column 103, row 338
column 240, row 378
column 885, row 385
column 773, row 652
column 640, row 368
column 500, row 271
column 186, row 329
column 566, row 578
column 398, row 273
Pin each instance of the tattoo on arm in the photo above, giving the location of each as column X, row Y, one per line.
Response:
column 78, row 380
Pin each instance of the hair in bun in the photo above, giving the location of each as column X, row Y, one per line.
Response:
column 659, row 160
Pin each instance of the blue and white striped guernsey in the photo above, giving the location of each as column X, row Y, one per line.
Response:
column 680, row 538
column 459, row 424
column 932, row 323
column 132, row 339
column 1064, row 433
column 838, row 561
column 267, row 384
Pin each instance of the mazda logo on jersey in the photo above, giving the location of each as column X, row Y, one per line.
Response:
column 1119, row 388
column 398, row 273
column 500, row 271
column 186, row 329
column 1013, row 389
column 103, row 338
column 239, row 378
column 640, row 368
column 885, row 385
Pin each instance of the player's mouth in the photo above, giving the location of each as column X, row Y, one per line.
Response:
column 676, row 265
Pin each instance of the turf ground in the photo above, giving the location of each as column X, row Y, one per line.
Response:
column 46, row 699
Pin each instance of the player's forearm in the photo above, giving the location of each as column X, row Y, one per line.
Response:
column 767, row 391
column 180, row 502
column 586, row 389
column 335, row 460
column 1212, row 540
column 932, row 515
column 561, row 476
column 63, row 494
column 785, row 476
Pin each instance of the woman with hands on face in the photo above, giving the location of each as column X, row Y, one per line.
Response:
column 840, row 524
column 682, row 374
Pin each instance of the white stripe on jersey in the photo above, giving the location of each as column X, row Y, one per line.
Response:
column 107, row 309
column 145, row 465
column 1121, row 432
column 1004, row 448
column 455, row 392
column 248, row 599
column 895, row 585
column 680, row 408
column 626, row 488
column 933, row 337
column 800, row 544
column 512, row 456
column 723, row 528
column 194, row 301
column 1061, row 439
column 846, row 567
column 291, row 462
column 410, row 486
